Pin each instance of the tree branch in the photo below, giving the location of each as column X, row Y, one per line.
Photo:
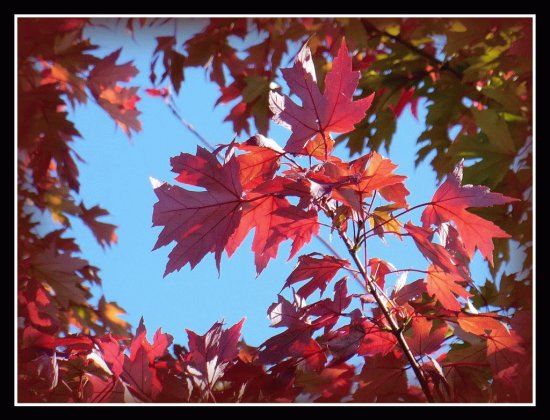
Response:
column 395, row 328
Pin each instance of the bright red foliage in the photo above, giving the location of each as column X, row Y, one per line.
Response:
column 350, row 345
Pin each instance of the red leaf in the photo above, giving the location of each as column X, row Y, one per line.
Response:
column 450, row 202
column 444, row 286
column 424, row 337
column 258, row 165
column 60, row 273
column 353, row 182
column 320, row 270
column 107, row 73
column 293, row 341
column 137, row 374
column 160, row 345
column 376, row 341
column 199, row 222
column 433, row 252
column 112, row 353
column 409, row 292
column 211, row 352
column 334, row 111
column 104, row 232
column 507, row 358
column 379, row 269
column 328, row 311
column 162, row 92
column 405, row 98
column 344, row 342
column 120, row 103
column 274, row 221
column 382, row 379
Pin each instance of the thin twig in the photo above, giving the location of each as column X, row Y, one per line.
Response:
column 190, row 127
column 337, row 255
column 395, row 328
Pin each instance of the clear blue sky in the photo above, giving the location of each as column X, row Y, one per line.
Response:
column 116, row 176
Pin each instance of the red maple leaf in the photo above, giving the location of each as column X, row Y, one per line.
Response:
column 221, row 217
column 295, row 339
column 352, row 182
column 376, row 341
column 260, row 163
column 199, row 221
column 274, row 221
column 334, row 111
column 106, row 73
column 319, row 270
column 327, row 310
column 444, row 286
column 211, row 353
column 424, row 337
column 450, row 202
column 382, row 379
column 433, row 252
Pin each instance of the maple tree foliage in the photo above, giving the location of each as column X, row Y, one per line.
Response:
column 437, row 338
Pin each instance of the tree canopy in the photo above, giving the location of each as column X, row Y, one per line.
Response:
column 349, row 83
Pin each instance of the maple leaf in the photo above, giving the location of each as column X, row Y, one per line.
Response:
column 260, row 163
column 333, row 111
column 424, row 337
column 106, row 73
column 161, row 342
column 320, row 270
column 344, row 342
column 379, row 269
column 274, row 220
column 327, row 310
column 352, row 182
column 212, row 352
column 221, row 217
column 295, row 340
column 59, row 274
column 409, row 292
column 376, row 340
column 450, row 202
column 112, row 354
column 198, row 221
column 120, row 103
column 444, row 286
column 437, row 254
column 481, row 324
column 137, row 375
column 104, row 232
column 382, row 379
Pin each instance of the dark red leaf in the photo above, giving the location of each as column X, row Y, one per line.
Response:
column 199, row 222
column 320, row 270
column 335, row 111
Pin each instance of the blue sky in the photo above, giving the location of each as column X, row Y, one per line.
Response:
column 116, row 176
